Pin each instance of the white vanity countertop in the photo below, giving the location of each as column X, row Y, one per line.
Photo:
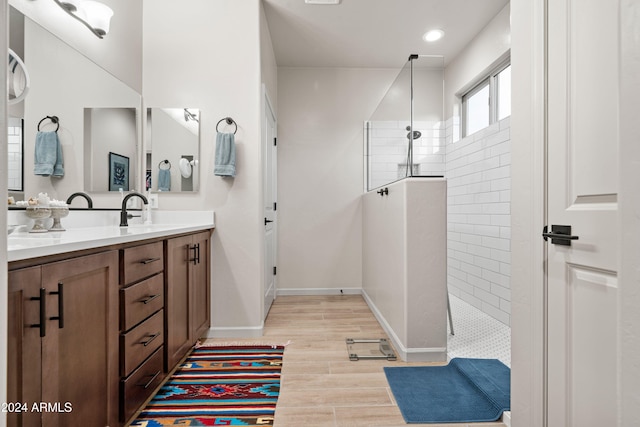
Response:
column 23, row 245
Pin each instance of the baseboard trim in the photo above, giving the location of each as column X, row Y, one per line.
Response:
column 506, row 418
column 426, row 354
column 236, row 331
column 318, row 291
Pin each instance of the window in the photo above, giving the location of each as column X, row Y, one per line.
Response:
column 488, row 101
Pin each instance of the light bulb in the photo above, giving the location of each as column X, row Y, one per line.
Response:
column 98, row 15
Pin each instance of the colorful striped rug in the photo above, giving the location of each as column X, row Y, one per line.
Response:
column 219, row 386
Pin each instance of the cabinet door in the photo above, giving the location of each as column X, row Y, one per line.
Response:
column 200, row 286
column 179, row 255
column 80, row 349
column 24, row 361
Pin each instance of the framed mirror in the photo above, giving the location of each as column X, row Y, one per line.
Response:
column 97, row 112
column 172, row 150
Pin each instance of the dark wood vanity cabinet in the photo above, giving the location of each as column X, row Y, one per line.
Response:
column 63, row 343
column 93, row 334
column 187, row 291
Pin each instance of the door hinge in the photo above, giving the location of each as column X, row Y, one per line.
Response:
column 275, row 206
column 275, row 141
column 274, row 270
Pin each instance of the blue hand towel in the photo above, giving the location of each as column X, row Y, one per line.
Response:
column 48, row 155
column 164, row 180
column 225, row 161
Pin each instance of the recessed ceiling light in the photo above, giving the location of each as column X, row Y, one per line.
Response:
column 433, row 35
column 322, row 1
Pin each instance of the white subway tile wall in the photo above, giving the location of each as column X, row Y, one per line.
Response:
column 15, row 158
column 387, row 150
column 478, row 172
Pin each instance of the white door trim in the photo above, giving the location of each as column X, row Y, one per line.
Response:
column 629, row 228
column 528, row 29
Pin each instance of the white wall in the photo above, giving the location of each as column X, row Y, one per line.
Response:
column 207, row 56
column 491, row 44
column 320, row 174
column 269, row 68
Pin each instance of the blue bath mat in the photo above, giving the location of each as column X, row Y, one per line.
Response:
column 465, row 390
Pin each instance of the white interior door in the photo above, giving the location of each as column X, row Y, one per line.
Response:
column 270, row 206
column 582, row 191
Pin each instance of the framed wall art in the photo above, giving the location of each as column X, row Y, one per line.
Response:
column 118, row 172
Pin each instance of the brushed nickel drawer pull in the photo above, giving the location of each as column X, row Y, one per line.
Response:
column 148, row 299
column 153, row 377
column 150, row 260
column 151, row 338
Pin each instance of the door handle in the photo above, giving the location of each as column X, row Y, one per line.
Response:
column 267, row 221
column 560, row 235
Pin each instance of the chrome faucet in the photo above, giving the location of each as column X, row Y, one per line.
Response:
column 81, row 194
column 123, row 212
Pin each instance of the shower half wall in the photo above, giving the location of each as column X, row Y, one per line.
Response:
column 405, row 212
column 405, row 265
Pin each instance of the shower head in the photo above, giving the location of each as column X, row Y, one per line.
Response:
column 416, row 133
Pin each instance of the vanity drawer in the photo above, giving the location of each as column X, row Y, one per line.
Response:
column 141, row 301
column 138, row 344
column 142, row 261
column 140, row 384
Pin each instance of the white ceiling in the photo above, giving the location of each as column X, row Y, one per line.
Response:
column 372, row 33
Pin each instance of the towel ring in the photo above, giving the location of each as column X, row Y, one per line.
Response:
column 166, row 162
column 229, row 121
column 54, row 119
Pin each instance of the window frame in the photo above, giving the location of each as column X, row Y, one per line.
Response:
column 490, row 79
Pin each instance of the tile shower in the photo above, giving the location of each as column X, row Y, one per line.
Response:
column 477, row 169
column 14, row 153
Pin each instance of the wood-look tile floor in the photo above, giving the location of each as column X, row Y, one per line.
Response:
column 320, row 385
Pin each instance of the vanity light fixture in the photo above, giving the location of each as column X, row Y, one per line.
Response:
column 433, row 35
column 94, row 15
column 188, row 115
